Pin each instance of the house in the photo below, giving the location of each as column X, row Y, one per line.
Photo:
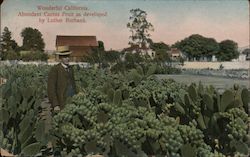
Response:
column 246, row 54
column 80, row 46
column 175, row 53
column 136, row 49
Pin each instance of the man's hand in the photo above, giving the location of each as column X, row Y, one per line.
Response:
column 57, row 109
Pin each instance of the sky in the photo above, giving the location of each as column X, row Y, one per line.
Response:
column 173, row 20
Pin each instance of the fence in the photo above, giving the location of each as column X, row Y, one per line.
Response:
column 9, row 63
column 217, row 65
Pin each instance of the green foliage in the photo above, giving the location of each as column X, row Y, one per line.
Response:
column 8, row 46
column 135, row 76
column 218, row 116
column 112, row 56
column 32, row 149
column 127, row 130
column 198, row 46
column 96, row 55
column 130, row 114
column 34, row 56
column 132, row 60
column 22, row 130
column 163, row 69
column 161, row 55
column 32, row 39
column 159, row 46
column 245, row 96
column 139, row 27
column 12, row 55
column 228, row 50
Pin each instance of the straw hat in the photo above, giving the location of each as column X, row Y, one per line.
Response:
column 63, row 50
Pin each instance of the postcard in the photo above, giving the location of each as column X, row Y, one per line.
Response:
column 124, row 78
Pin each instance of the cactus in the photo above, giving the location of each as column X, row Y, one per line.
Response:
column 151, row 70
column 245, row 96
column 106, row 87
column 5, row 116
column 32, row 149
column 226, row 98
column 188, row 151
column 134, row 77
column 125, row 94
column 179, row 108
column 117, row 97
column 208, row 101
column 19, row 112
column 122, row 149
column 192, row 93
column 217, row 115
column 25, row 133
column 239, row 146
column 140, row 70
column 91, row 147
column 201, row 89
column 115, row 117
column 110, row 94
column 40, row 133
column 102, row 117
column 201, row 122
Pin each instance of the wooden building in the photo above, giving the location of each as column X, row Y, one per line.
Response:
column 80, row 46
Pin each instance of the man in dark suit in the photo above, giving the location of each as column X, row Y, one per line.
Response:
column 61, row 83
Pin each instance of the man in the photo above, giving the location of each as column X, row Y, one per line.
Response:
column 61, row 83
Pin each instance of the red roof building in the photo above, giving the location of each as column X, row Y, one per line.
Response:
column 175, row 53
column 80, row 46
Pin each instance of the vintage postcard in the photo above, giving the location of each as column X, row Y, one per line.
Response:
column 113, row 78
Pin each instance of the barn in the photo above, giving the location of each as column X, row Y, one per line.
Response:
column 80, row 46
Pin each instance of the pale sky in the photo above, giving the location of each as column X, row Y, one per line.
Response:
column 173, row 20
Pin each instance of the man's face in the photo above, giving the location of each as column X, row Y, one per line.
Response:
column 65, row 59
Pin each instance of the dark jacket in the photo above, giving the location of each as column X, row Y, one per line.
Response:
column 59, row 80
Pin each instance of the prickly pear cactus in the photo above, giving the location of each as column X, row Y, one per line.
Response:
column 22, row 129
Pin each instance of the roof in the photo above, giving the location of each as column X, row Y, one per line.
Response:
column 175, row 51
column 62, row 40
column 4, row 153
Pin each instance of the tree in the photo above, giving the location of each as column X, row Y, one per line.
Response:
column 139, row 27
column 228, row 50
column 32, row 39
column 198, row 46
column 112, row 56
column 101, row 45
column 132, row 60
column 7, row 44
column 161, row 54
column 97, row 55
column 34, row 56
column 159, row 46
column 11, row 55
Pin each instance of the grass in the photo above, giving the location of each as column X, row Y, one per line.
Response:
column 219, row 83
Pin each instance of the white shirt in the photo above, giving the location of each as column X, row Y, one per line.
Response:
column 64, row 65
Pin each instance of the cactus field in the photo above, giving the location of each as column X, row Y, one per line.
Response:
column 130, row 114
